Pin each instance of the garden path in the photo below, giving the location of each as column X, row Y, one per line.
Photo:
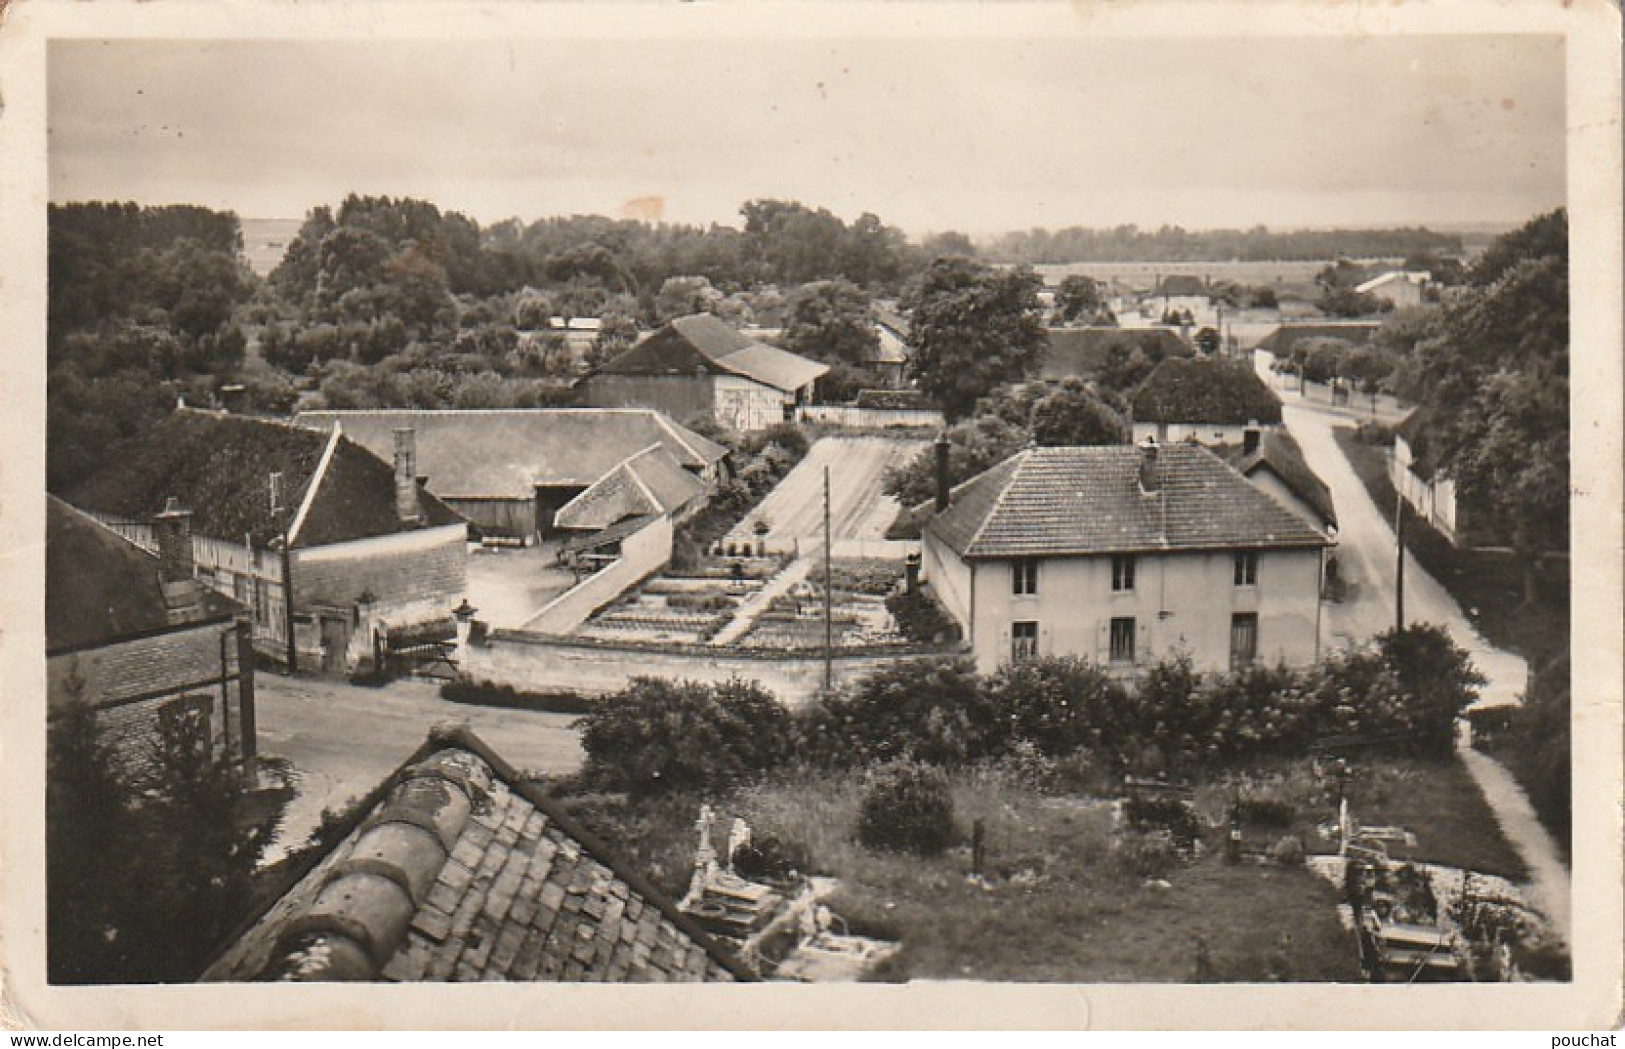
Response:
column 753, row 606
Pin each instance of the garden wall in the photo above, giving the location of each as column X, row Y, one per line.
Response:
column 539, row 662
column 877, row 418
column 643, row 553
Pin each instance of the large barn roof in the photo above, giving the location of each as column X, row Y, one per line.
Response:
column 704, row 344
column 1082, row 351
column 505, row 453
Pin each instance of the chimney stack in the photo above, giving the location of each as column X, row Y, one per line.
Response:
column 174, row 528
column 1249, row 440
column 941, row 449
column 1149, row 482
column 183, row 594
column 407, row 506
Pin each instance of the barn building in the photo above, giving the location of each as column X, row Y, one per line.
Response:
column 512, row 472
column 698, row 367
column 370, row 553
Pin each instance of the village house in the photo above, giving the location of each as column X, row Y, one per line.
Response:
column 1274, row 463
column 1399, row 288
column 373, row 558
column 1182, row 295
column 1284, row 340
column 1430, row 489
column 1125, row 556
column 136, row 637
column 698, row 367
column 459, row 868
column 1082, row 352
column 890, row 356
column 527, row 475
column 1207, row 401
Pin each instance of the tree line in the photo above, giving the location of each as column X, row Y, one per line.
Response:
column 1130, row 243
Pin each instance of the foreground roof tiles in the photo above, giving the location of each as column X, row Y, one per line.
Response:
column 460, row 871
column 1088, row 500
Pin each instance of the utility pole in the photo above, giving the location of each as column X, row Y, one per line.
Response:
column 286, row 514
column 1399, row 555
column 829, row 611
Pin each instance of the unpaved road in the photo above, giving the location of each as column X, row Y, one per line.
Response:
column 343, row 740
column 858, row 508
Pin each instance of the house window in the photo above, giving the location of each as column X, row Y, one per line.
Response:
column 1024, row 576
column 1247, row 568
column 1023, row 641
column 1122, row 640
column 1243, row 639
column 1122, row 572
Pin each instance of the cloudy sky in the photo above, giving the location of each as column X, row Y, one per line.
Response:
column 980, row 136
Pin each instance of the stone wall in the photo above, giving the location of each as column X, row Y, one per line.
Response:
column 643, row 553
column 538, row 662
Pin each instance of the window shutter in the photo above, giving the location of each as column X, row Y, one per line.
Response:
column 1103, row 641
column 1044, row 646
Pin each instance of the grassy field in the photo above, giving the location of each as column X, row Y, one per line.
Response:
column 1489, row 586
column 1055, row 902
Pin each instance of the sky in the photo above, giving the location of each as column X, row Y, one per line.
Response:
column 980, row 136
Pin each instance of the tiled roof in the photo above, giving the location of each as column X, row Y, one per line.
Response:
column 1392, row 277
column 1278, row 452
column 1088, row 500
column 1181, row 390
column 506, row 453
column 706, row 345
column 459, row 870
column 219, row 466
column 1182, row 284
column 649, row 482
column 1081, row 351
column 1282, row 339
column 99, row 587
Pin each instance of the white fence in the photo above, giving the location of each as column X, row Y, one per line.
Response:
column 871, row 418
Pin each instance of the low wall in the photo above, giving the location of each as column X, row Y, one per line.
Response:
column 877, row 418
column 539, row 662
column 642, row 553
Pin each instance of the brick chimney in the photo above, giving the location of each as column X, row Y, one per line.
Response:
column 941, row 450
column 183, row 594
column 407, row 506
column 174, row 533
column 1149, row 481
column 1249, row 440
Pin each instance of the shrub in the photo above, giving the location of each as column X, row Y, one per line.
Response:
column 657, row 735
column 1151, row 855
column 1057, row 703
column 769, row 858
column 919, row 618
column 1265, row 812
column 1288, row 851
column 1436, row 681
column 907, row 807
column 1172, row 815
column 1374, row 434
column 923, row 709
column 484, row 693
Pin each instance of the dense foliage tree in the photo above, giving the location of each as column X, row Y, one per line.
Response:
column 974, row 445
column 972, row 327
column 149, row 871
column 1072, row 414
column 830, row 321
column 657, row 735
column 1078, row 300
column 1494, row 375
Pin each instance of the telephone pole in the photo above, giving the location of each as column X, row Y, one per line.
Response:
column 829, row 611
column 1399, row 556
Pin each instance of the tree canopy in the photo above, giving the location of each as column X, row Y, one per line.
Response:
column 972, row 327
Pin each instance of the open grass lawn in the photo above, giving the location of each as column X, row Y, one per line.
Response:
column 1489, row 586
column 1055, row 903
